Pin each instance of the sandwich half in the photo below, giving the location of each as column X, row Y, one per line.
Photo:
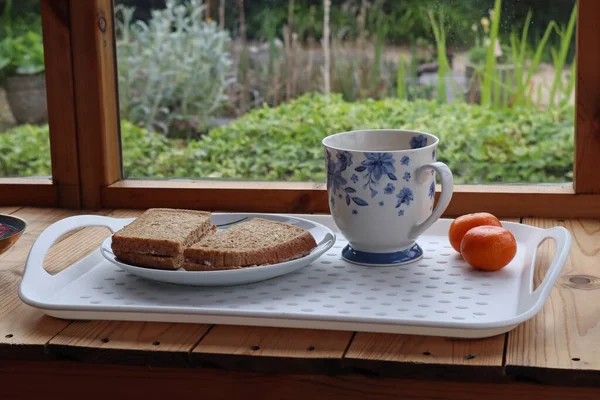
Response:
column 256, row 242
column 157, row 238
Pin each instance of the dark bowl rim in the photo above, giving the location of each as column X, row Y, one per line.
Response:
column 20, row 231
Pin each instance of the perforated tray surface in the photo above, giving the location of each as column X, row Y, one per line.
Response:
column 437, row 295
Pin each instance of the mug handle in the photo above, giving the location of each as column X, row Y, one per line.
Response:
column 447, row 188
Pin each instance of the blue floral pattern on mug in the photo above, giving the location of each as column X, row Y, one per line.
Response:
column 416, row 142
column 344, row 159
column 433, row 154
column 377, row 166
column 405, row 196
column 335, row 180
column 389, row 189
column 376, row 175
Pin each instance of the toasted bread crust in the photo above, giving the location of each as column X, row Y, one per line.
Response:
column 205, row 254
column 138, row 237
column 189, row 266
column 150, row 261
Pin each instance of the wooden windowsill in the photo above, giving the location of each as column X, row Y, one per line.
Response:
column 336, row 362
column 559, row 201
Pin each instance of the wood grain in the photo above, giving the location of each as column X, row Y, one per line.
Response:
column 61, row 101
column 8, row 210
column 272, row 349
column 427, row 357
column 19, row 323
column 153, row 343
column 587, row 98
column 26, row 380
column 303, row 197
column 560, row 344
column 38, row 192
column 98, row 141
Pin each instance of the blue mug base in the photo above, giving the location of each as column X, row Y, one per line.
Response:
column 407, row 256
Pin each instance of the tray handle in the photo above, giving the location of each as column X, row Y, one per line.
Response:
column 562, row 238
column 34, row 267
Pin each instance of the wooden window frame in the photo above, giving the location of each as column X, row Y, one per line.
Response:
column 79, row 44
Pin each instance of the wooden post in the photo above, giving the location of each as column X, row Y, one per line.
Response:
column 587, row 95
column 97, row 114
column 326, row 67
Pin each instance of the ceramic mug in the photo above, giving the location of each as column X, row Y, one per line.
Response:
column 381, row 189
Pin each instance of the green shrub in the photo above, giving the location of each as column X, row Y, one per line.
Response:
column 479, row 144
column 173, row 69
column 25, row 151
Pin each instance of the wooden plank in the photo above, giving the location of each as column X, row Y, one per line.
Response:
column 294, row 197
column 51, row 379
column 560, row 344
column 222, row 196
column 144, row 343
column 61, row 101
column 587, row 95
column 8, row 210
column 426, row 357
column 98, row 141
column 38, row 192
column 272, row 349
column 21, row 324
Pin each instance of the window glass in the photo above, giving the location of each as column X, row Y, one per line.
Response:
column 239, row 89
column 24, row 137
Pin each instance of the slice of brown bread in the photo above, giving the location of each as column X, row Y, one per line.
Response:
column 255, row 242
column 162, row 232
column 150, row 261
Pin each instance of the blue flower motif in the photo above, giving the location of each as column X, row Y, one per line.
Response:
column 345, row 159
column 405, row 197
column 400, row 213
column 354, row 212
column 405, row 160
column 432, row 190
column 354, row 178
column 332, row 200
column 433, row 154
column 378, row 164
column 340, row 196
column 418, row 141
column 406, row 176
column 381, row 203
column 389, row 189
column 335, row 180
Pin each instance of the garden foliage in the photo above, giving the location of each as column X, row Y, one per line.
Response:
column 480, row 144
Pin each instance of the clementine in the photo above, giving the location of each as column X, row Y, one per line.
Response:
column 461, row 225
column 489, row 248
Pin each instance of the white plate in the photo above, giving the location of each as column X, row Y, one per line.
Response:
column 324, row 237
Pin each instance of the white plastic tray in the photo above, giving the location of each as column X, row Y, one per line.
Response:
column 438, row 295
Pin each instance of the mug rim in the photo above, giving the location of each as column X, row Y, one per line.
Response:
column 435, row 142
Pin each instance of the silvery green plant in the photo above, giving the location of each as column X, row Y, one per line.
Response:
column 174, row 68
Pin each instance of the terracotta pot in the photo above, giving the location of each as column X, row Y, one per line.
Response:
column 26, row 95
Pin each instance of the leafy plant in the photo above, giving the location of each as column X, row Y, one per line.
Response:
column 173, row 70
column 559, row 58
column 519, row 48
column 21, row 46
column 439, row 33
